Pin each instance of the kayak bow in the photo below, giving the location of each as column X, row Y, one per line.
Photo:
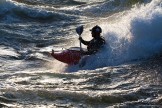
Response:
column 69, row 56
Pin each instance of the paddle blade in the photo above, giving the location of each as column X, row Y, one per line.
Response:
column 79, row 30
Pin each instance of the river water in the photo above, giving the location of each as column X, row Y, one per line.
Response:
column 126, row 73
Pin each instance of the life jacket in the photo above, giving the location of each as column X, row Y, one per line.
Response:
column 95, row 44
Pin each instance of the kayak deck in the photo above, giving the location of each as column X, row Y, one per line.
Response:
column 69, row 56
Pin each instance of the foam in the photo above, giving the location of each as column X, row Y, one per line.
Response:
column 135, row 36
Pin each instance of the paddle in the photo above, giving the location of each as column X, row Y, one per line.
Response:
column 79, row 31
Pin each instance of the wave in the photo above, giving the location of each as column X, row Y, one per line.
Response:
column 55, row 3
column 14, row 11
column 105, row 9
column 134, row 35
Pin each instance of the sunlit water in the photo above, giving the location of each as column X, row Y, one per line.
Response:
column 126, row 73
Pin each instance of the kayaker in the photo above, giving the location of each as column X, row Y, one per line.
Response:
column 96, row 43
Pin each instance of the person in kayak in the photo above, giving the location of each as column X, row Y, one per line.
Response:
column 96, row 43
column 93, row 46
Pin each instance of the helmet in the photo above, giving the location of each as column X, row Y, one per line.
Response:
column 96, row 29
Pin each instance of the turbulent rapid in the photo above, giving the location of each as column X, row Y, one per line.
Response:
column 126, row 73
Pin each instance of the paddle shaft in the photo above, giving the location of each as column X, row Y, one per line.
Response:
column 79, row 31
column 80, row 44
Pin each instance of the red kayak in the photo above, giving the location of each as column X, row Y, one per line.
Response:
column 69, row 56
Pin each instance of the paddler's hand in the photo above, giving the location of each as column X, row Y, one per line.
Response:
column 80, row 38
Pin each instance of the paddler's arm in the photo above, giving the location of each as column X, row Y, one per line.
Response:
column 83, row 41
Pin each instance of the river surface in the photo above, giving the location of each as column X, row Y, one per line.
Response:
column 126, row 73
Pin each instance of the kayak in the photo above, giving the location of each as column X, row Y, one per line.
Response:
column 72, row 55
column 69, row 56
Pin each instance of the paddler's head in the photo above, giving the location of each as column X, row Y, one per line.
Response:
column 96, row 31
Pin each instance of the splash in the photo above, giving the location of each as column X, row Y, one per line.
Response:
column 56, row 66
column 135, row 35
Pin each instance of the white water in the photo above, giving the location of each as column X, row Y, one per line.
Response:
column 135, row 34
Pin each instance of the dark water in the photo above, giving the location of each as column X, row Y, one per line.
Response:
column 127, row 73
